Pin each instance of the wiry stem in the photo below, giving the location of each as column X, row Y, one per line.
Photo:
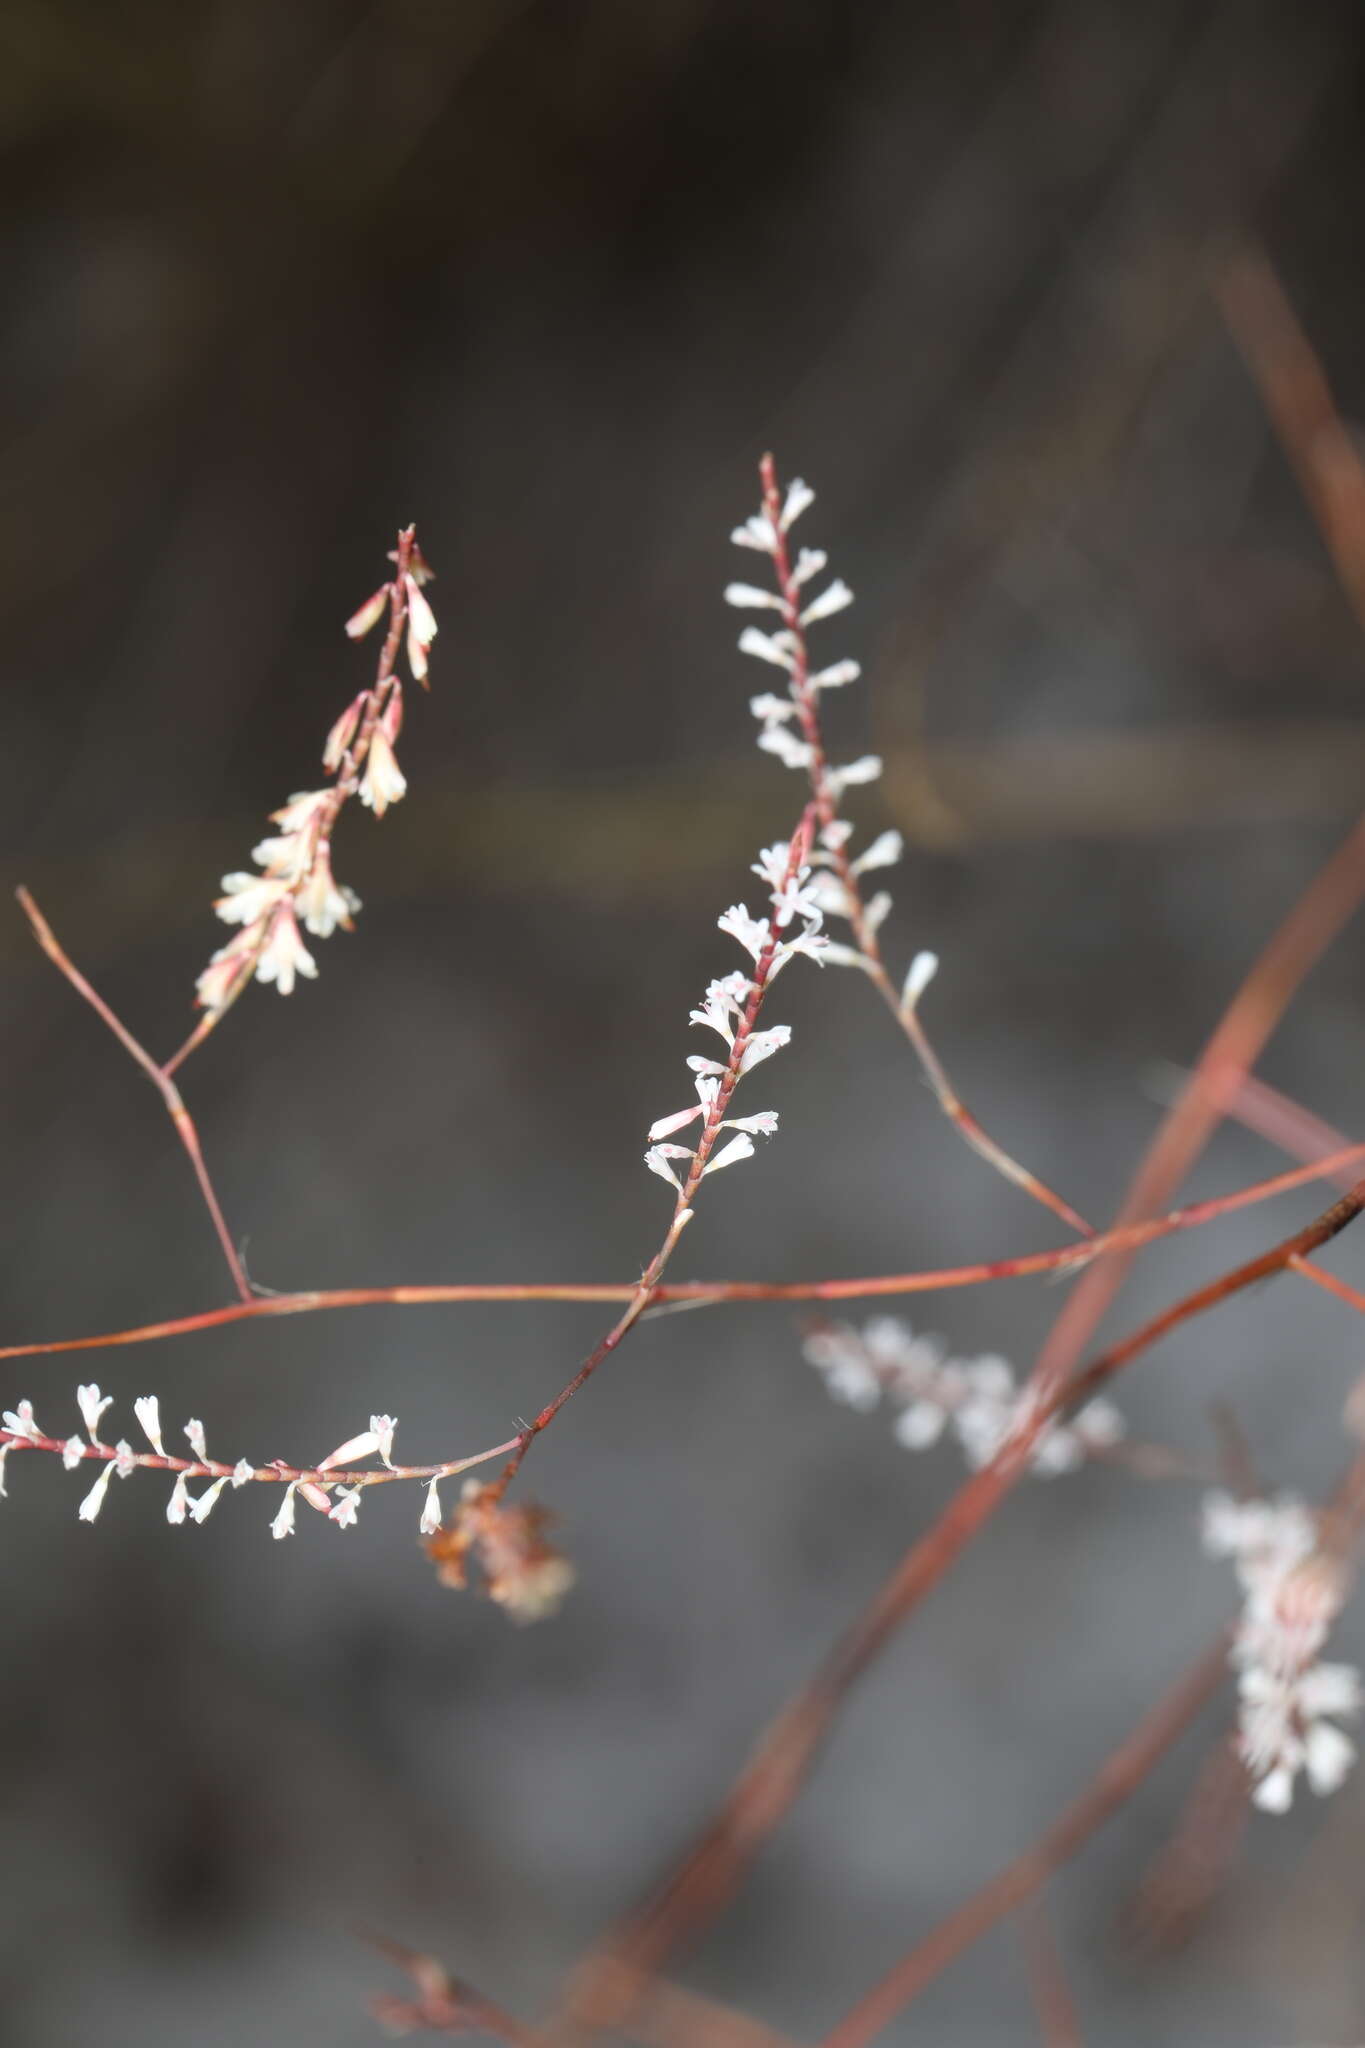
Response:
column 160, row 1078
column 710, row 1293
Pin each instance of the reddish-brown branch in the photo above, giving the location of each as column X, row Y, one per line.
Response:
column 1026, row 1876
column 1328, row 1282
column 703, row 1293
column 1059, row 2022
column 158, row 1076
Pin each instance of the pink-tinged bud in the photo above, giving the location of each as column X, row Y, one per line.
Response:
column 417, row 654
column 316, row 1496
column 383, row 782
column 370, row 613
column 419, row 611
column 391, row 724
column 342, row 733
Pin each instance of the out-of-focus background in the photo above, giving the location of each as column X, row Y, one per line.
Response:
column 547, row 279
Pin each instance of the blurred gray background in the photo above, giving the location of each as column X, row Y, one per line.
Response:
column 548, row 278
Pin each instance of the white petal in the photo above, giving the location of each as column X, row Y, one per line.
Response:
column 809, row 562
column 178, row 1505
column 756, row 532
column 195, row 1432
column 1328, row 1756
column 431, row 1511
column 241, row 1472
column 762, row 1125
column 763, row 1044
column 832, row 600
column 383, row 1427
column 73, row 1450
column 1275, row 1792
column 345, row 1508
column 19, row 1421
column 92, row 1406
column 920, row 1425
column 283, row 1524
column 657, row 1163
column 748, row 594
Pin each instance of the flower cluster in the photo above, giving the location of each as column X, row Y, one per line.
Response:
column 977, row 1400
column 296, row 886
column 730, row 1008
column 1292, row 1593
column 522, row 1572
column 319, row 1485
column 789, row 723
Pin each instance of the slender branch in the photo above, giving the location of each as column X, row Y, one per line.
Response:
column 1328, row 1282
column 1058, row 2019
column 1026, row 1876
column 708, row 1293
column 159, row 1077
column 806, row 698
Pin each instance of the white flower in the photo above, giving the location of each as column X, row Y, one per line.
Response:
column 431, row 1511
column 249, row 898
column 753, row 933
column 836, row 675
column 73, row 1450
column 884, row 852
column 763, row 1123
column 241, row 1472
column 178, row 1505
column 198, row 1443
column 921, row 1424
column 921, row 972
column 383, row 782
column 287, row 857
column 224, row 971
column 756, row 532
column 300, row 809
column 344, row 731
column 92, row 1406
column 94, row 1500
column 767, row 706
column 832, row 600
column 799, row 496
column 665, row 1126
column 285, row 956
column 148, row 1412
column 19, row 1421
column 790, row 751
column 809, row 562
column 369, row 614
column 657, row 1158
column 739, row 1147
column 748, row 594
column 761, row 1045
column 421, row 629
column 125, row 1459
column 345, row 1508
column 383, row 1427
column 320, row 903
column 283, row 1524
column 865, row 769
column 202, row 1508
column 778, row 648
column 875, row 911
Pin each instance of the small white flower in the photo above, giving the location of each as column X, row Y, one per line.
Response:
column 790, row 751
column 753, row 933
column 94, row 1500
column 657, row 1158
column 344, row 731
column 345, row 1508
column 283, row 1524
column 921, row 1424
column 383, row 1427
column 92, row 1406
column 248, row 898
column 286, row 858
column 865, row 769
column 834, row 599
column 369, row 614
column 763, row 1124
column 73, row 1450
column 799, row 496
column 739, row 1147
column 177, row 1507
column 202, row 1508
column 194, row 1430
column 300, row 810
column 431, row 1511
column 241, row 1472
column 836, row 675
column 320, row 903
column 756, row 532
column 19, row 1421
column 125, row 1459
column 148, row 1412
column 285, row 956
column 742, row 594
column 767, row 706
column 761, row 1045
column 383, row 782
column 778, row 648
column 876, row 910
column 809, row 562
column 666, row 1125
column 922, row 970
column 885, row 850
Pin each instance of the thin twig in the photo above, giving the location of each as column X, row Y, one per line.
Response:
column 1059, row 2022
column 707, row 1293
column 158, row 1076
